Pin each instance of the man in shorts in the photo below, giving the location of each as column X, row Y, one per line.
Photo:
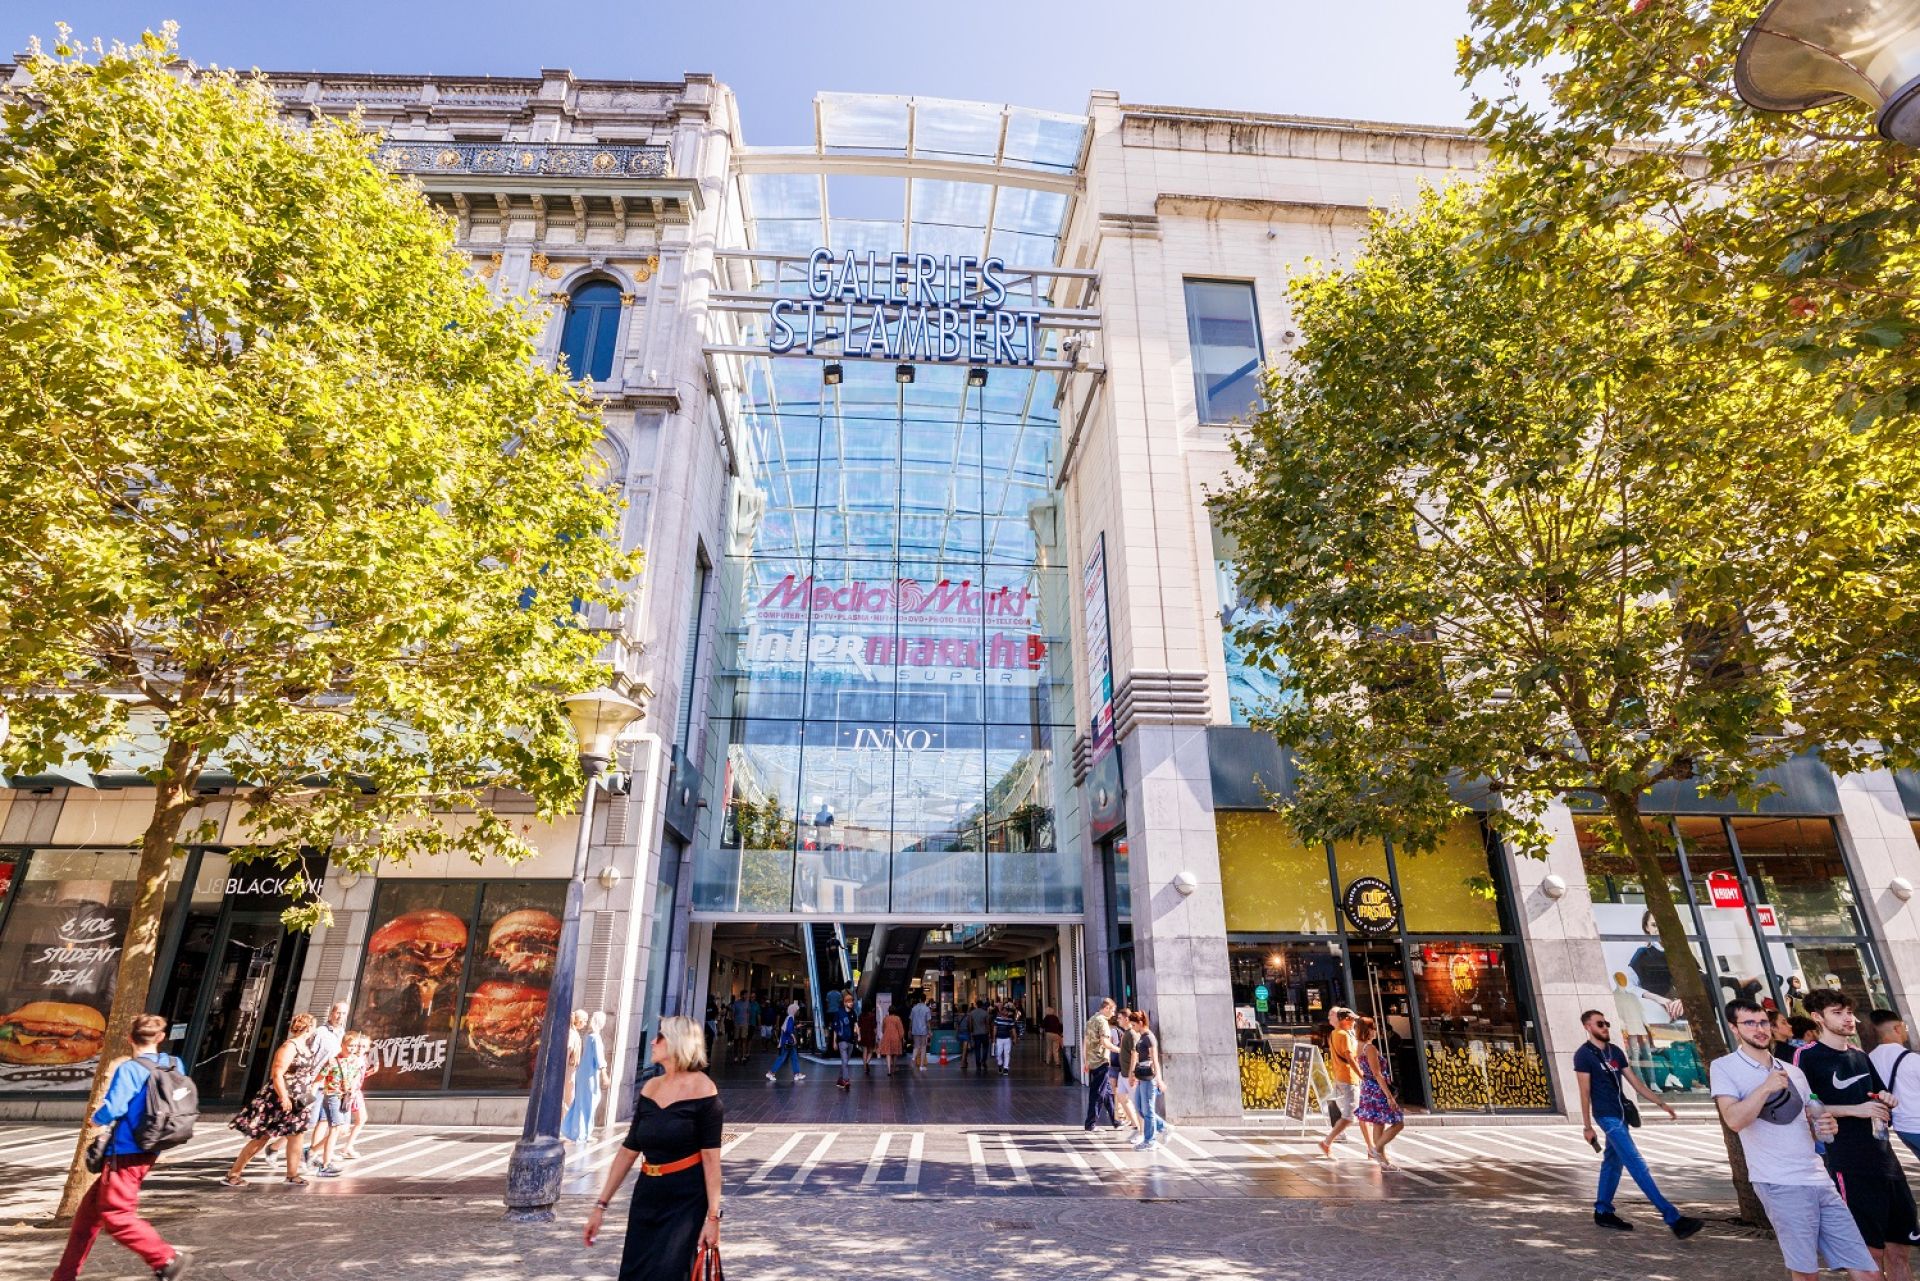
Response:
column 1765, row 1102
column 1343, row 1068
column 1862, row 1164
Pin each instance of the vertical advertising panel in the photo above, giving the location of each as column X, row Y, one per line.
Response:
column 58, row 963
column 1093, row 597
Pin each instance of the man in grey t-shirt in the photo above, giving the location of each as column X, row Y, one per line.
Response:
column 1765, row 1102
column 920, row 1024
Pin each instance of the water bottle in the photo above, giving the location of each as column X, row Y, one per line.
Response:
column 1879, row 1126
column 1815, row 1111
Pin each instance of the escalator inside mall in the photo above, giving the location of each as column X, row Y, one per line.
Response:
column 759, row 972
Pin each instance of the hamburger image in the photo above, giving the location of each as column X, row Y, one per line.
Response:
column 525, row 942
column 502, row 1023
column 417, row 953
column 50, row 1033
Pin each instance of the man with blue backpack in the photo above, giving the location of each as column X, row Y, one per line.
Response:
column 151, row 1105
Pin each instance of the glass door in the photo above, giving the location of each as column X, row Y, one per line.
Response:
column 239, row 1005
column 1379, row 975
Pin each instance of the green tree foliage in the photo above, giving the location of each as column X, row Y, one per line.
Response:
column 286, row 489
column 1534, row 538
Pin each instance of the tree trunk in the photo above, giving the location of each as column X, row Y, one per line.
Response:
column 172, row 799
column 1704, row 1016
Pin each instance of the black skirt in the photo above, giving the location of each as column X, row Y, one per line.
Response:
column 663, row 1226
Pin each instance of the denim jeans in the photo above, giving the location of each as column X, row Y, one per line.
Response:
column 789, row 1055
column 846, row 1059
column 1621, row 1155
column 1911, row 1140
column 1145, row 1093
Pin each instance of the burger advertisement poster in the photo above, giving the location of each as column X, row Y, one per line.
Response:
column 454, row 982
column 57, row 971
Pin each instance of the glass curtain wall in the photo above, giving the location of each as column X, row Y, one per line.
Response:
column 1771, row 913
column 895, row 683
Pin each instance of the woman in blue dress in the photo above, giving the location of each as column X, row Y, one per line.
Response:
column 1379, row 1114
column 589, row 1078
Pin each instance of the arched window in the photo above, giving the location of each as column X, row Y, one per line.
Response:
column 593, row 321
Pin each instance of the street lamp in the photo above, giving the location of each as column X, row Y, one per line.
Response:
column 539, row 1160
column 1807, row 53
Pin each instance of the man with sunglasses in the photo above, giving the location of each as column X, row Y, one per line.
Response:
column 1604, row 1073
column 1764, row 1101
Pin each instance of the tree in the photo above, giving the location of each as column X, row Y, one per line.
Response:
column 286, row 486
column 1529, row 531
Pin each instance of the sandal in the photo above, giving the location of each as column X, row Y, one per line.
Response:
column 298, row 1181
column 234, row 1180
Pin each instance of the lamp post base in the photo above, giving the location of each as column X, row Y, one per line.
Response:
column 534, row 1174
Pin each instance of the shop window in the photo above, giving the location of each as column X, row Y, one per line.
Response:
column 1357, row 858
column 1450, row 889
column 1800, row 874
column 60, row 954
column 453, row 984
column 1738, row 969
column 592, row 324
column 1223, row 327
column 1282, row 993
column 1480, row 1049
column 1273, row 882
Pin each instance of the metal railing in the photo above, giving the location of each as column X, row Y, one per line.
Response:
column 528, row 159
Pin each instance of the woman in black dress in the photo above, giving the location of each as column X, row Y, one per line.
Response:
column 283, row 1107
column 676, row 1126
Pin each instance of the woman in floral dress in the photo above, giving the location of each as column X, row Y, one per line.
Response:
column 1379, row 1114
column 281, row 1109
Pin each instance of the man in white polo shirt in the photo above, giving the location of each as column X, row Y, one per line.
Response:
column 1764, row 1101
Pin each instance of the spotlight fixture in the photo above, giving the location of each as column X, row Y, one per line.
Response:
column 903, row 373
column 1801, row 54
column 832, row 374
column 976, row 377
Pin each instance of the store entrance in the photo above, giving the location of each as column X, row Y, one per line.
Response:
column 243, row 1005
column 1380, row 991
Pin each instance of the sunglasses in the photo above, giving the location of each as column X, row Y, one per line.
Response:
column 1601, row 1023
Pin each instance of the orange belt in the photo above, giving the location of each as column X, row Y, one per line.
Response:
column 671, row 1167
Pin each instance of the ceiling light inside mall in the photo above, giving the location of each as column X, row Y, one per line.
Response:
column 1803, row 54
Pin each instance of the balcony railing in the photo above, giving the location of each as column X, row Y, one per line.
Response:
column 528, row 159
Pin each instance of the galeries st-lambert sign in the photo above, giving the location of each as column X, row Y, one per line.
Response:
column 906, row 307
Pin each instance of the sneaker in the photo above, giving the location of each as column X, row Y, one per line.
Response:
column 772, row 1077
column 328, row 1172
column 174, row 1267
column 799, row 1076
column 1142, row 1146
column 1684, row 1227
column 1611, row 1220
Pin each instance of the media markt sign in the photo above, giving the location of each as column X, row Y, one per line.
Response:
column 1370, row 905
column 906, row 307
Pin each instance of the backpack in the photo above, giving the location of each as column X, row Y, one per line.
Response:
column 173, row 1105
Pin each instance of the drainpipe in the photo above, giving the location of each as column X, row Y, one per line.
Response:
column 639, row 926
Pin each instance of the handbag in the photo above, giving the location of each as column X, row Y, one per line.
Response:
column 1629, row 1110
column 706, row 1265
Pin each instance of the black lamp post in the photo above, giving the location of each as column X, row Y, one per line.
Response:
column 538, row 1164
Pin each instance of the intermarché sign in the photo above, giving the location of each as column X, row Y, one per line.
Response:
column 906, row 307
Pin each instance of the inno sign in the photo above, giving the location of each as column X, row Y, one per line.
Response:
column 906, row 307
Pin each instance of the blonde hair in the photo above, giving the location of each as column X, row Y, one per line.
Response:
column 686, row 1042
column 301, row 1023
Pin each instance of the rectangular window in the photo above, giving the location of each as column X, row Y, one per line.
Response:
column 1223, row 326
column 690, row 663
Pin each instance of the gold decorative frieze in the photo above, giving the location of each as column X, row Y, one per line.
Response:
column 551, row 270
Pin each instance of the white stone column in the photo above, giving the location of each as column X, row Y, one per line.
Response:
column 1180, row 940
column 1566, row 964
column 1879, row 843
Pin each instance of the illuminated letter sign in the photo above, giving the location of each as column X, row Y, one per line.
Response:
column 905, row 307
column 1370, row 905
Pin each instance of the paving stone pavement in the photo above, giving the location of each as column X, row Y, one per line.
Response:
column 447, row 1238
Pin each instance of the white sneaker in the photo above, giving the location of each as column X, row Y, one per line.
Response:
column 772, row 1077
column 799, row 1076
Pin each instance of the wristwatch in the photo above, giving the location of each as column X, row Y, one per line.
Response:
column 603, row 1204
column 715, row 1216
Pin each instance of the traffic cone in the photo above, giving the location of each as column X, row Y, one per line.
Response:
column 943, row 1054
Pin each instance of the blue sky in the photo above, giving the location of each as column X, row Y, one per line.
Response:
column 1372, row 59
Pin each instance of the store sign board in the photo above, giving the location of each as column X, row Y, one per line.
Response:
column 906, row 307
column 1299, row 1077
column 1723, row 889
column 1370, row 905
column 1767, row 919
